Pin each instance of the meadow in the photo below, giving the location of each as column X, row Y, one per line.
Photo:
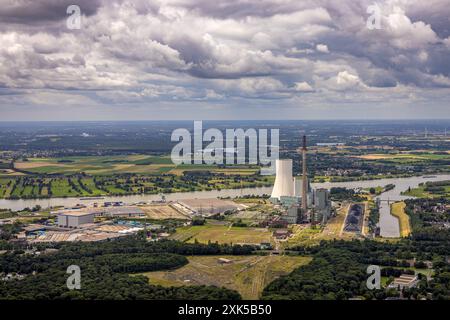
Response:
column 246, row 274
column 223, row 233
column 92, row 176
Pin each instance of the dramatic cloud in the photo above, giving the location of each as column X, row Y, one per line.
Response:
column 225, row 58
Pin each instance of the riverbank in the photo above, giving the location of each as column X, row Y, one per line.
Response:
column 398, row 211
column 389, row 225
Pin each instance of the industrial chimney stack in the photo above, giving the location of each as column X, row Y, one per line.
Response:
column 304, row 179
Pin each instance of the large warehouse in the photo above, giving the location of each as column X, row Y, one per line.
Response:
column 73, row 219
column 122, row 211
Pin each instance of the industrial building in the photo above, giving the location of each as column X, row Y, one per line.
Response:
column 302, row 204
column 288, row 190
column 74, row 219
column 292, row 215
column 121, row 211
column 109, row 211
column 322, row 205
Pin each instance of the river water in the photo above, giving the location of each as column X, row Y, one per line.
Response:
column 389, row 226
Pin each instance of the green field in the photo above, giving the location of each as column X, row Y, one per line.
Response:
column 125, row 184
column 223, row 234
column 246, row 274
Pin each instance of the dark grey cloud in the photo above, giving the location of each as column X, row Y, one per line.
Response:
column 230, row 53
column 32, row 11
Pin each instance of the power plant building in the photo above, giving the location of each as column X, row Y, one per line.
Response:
column 288, row 190
column 296, row 195
column 292, row 215
column 322, row 204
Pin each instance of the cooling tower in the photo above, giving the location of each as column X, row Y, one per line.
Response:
column 284, row 185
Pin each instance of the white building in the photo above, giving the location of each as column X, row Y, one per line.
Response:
column 73, row 219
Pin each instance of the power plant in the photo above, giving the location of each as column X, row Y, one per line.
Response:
column 302, row 204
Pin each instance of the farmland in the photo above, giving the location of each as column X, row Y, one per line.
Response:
column 246, row 274
column 106, row 165
column 87, row 186
column 119, row 175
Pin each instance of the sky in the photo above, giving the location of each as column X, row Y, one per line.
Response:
column 224, row 59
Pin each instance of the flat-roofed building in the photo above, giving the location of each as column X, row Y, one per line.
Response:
column 404, row 281
column 122, row 211
column 73, row 219
column 292, row 214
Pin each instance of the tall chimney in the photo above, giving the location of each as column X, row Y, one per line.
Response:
column 304, row 178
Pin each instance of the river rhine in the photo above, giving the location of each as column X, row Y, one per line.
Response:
column 389, row 226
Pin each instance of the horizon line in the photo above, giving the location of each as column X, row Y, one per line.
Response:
column 178, row 120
